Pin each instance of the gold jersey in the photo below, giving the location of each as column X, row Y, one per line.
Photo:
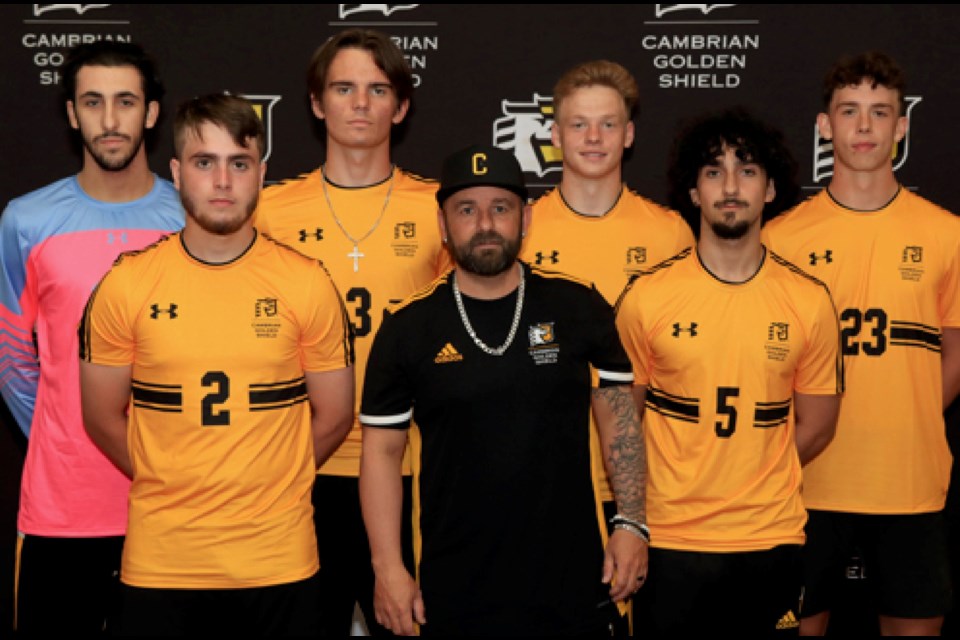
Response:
column 635, row 234
column 894, row 276
column 380, row 243
column 721, row 363
column 219, row 424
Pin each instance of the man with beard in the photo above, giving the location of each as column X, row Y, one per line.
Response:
column 55, row 244
column 235, row 356
column 735, row 353
column 493, row 364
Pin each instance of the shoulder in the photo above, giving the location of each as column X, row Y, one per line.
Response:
column 291, row 191
column 790, row 271
column 662, row 274
column 410, row 182
column 423, row 300
column 813, row 205
column 45, row 200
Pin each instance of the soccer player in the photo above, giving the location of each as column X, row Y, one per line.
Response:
column 55, row 244
column 233, row 353
column 592, row 225
column 374, row 227
column 493, row 363
column 735, row 353
column 890, row 259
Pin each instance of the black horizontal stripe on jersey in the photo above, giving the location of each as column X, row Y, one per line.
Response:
column 277, row 395
column 771, row 414
column 913, row 334
column 157, row 397
column 685, row 409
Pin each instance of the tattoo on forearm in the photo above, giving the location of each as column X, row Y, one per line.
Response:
column 627, row 458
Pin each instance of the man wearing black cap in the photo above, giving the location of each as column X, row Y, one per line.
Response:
column 493, row 363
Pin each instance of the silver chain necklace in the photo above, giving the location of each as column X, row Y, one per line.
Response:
column 355, row 254
column 499, row 351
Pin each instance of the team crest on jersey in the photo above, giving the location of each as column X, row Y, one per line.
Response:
column 264, row 309
column 405, row 242
column 524, row 129
column 911, row 264
column 778, row 341
column 823, row 148
column 263, row 105
column 543, row 343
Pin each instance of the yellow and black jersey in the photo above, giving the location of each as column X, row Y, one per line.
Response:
column 219, row 424
column 398, row 252
column 894, row 275
column 635, row 234
column 721, row 363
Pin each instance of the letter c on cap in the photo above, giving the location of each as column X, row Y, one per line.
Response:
column 479, row 164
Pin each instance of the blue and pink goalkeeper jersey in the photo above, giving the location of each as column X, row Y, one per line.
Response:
column 55, row 245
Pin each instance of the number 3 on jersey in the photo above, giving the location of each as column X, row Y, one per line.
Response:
column 362, row 302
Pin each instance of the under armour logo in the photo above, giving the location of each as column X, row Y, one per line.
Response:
column 317, row 235
column 827, row 256
column 156, row 311
column 554, row 257
column 678, row 329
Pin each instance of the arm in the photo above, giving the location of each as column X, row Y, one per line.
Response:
column 950, row 363
column 105, row 396
column 625, row 458
column 331, row 409
column 397, row 598
column 19, row 370
column 816, row 422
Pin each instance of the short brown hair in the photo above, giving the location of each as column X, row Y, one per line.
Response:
column 598, row 73
column 874, row 66
column 233, row 113
column 387, row 56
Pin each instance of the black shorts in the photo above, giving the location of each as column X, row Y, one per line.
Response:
column 695, row 594
column 282, row 610
column 904, row 558
column 67, row 587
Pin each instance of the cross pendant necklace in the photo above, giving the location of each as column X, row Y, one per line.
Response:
column 356, row 254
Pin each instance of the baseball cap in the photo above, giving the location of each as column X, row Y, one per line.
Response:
column 480, row 165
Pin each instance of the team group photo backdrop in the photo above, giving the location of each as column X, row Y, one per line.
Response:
column 484, row 74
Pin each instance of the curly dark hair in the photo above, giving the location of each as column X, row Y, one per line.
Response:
column 874, row 66
column 700, row 141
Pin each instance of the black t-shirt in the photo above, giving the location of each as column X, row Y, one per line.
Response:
column 510, row 532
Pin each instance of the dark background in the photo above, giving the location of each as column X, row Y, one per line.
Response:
column 485, row 74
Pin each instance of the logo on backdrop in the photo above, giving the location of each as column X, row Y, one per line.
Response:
column 383, row 9
column 823, row 148
column 524, row 129
column 64, row 26
column 263, row 105
column 415, row 46
column 663, row 9
column 704, row 51
column 80, row 9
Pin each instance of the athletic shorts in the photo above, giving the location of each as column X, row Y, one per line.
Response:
column 903, row 559
column 268, row 612
column 703, row 595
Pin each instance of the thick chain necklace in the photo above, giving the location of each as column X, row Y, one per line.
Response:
column 355, row 254
column 499, row 351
